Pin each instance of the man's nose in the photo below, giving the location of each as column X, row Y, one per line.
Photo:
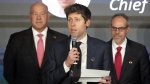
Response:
column 73, row 23
column 117, row 31
column 38, row 16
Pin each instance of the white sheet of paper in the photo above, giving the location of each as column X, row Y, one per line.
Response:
column 92, row 75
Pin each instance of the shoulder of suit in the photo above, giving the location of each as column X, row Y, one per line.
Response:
column 61, row 42
column 20, row 33
column 96, row 40
column 56, row 33
column 131, row 42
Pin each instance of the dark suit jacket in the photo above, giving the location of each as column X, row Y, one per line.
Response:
column 97, row 58
column 20, row 58
column 136, row 72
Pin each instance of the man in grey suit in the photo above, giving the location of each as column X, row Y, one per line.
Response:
column 21, row 61
column 95, row 53
column 130, row 63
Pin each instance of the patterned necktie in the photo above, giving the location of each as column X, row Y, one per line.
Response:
column 118, row 62
column 40, row 49
column 76, row 68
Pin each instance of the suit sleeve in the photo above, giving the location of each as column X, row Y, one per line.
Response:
column 144, row 67
column 9, row 61
column 56, row 74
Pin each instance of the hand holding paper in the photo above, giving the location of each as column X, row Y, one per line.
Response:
column 105, row 80
column 91, row 75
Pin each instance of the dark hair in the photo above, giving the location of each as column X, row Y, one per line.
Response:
column 80, row 9
column 122, row 15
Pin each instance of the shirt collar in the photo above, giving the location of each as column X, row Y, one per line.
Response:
column 44, row 32
column 84, row 40
column 123, row 45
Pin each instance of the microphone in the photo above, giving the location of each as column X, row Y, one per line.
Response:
column 74, row 40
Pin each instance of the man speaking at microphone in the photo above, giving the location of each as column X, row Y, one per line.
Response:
column 89, row 52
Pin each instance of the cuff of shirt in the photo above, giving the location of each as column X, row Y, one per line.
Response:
column 66, row 68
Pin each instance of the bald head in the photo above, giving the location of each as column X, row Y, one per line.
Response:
column 39, row 16
column 38, row 4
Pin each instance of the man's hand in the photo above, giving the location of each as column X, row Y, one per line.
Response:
column 105, row 80
column 73, row 56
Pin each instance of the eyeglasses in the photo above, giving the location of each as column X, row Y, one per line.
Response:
column 121, row 29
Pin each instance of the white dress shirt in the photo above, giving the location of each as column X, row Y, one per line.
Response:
column 36, row 38
column 83, row 48
column 114, row 49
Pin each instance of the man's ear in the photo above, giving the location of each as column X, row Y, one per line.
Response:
column 128, row 29
column 88, row 22
column 48, row 15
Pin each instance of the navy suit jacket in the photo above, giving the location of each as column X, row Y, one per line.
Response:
column 20, row 59
column 98, row 57
column 135, row 67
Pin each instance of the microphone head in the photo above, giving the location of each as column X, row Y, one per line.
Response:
column 74, row 38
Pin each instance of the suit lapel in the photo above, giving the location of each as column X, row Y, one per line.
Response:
column 112, row 63
column 50, row 38
column 127, row 57
column 91, row 48
column 31, row 45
